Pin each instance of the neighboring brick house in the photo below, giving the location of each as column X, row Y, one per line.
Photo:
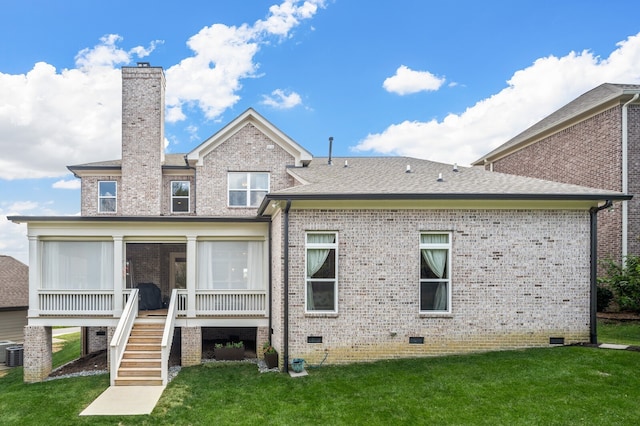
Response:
column 592, row 141
column 350, row 259
column 14, row 297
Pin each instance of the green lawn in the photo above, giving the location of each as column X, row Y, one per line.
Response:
column 555, row 386
column 621, row 332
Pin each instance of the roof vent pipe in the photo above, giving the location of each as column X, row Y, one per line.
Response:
column 330, row 149
column 455, row 167
column 346, row 163
column 408, row 168
column 440, row 177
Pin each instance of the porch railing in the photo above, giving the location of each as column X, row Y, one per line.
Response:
column 75, row 302
column 101, row 302
column 121, row 334
column 215, row 302
column 167, row 335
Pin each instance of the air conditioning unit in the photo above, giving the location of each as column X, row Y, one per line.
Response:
column 4, row 344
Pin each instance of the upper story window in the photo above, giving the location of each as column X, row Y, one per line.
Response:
column 107, row 192
column 247, row 189
column 322, row 272
column 435, row 274
column 180, row 196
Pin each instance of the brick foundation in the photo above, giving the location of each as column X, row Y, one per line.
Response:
column 191, row 346
column 37, row 353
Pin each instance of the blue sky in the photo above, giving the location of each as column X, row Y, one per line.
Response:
column 446, row 81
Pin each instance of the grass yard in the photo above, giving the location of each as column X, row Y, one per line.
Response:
column 620, row 332
column 555, row 386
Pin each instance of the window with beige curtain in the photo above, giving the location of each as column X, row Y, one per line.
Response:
column 321, row 272
column 435, row 281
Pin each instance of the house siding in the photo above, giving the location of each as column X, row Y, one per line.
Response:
column 246, row 151
column 518, row 278
column 12, row 323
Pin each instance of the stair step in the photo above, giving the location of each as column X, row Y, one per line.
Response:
column 140, row 363
column 138, row 381
column 145, row 339
column 140, row 372
column 147, row 332
column 129, row 354
column 142, row 347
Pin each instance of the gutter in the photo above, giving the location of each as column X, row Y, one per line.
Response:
column 625, row 174
column 286, row 286
column 593, row 302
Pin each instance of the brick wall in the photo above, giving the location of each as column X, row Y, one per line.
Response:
column 191, row 345
column 89, row 195
column 518, row 278
column 588, row 154
column 37, row 353
column 248, row 150
column 633, row 127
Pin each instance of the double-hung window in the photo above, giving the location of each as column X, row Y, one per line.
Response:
column 435, row 272
column 321, row 289
column 107, row 192
column 180, row 196
column 247, row 189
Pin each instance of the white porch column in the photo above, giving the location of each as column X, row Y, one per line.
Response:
column 118, row 275
column 34, row 276
column 191, row 276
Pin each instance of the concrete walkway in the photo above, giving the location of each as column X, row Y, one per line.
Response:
column 125, row 401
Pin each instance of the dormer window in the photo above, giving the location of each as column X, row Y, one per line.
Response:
column 107, row 193
column 247, row 189
column 180, row 196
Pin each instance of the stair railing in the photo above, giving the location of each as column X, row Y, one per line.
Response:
column 167, row 335
column 121, row 335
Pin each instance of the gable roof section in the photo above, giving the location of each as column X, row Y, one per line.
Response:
column 14, row 283
column 602, row 97
column 301, row 155
column 386, row 178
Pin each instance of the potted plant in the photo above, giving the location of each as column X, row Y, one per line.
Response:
column 231, row 351
column 270, row 355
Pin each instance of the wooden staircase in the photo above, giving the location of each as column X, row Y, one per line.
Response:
column 142, row 359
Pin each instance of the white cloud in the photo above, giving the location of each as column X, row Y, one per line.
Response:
column 67, row 184
column 407, row 81
column 61, row 118
column 530, row 95
column 224, row 56
column 281, row 99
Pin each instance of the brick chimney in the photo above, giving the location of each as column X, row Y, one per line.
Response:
column 143, row 88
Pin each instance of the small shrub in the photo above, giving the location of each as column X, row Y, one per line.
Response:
column 624, row 280
column 604, row 298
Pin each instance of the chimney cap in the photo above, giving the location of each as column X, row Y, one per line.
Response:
column 144, row 64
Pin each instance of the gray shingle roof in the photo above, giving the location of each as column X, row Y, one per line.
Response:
column 595, row 97
column 14, row 283
column 387, row 175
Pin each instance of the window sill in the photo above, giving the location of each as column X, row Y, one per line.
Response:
column 435, row 315
column 321, row 314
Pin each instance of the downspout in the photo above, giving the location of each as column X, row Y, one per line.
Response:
column 625, row 174
column 270, row 260
column 286, row 286
column 593, row 302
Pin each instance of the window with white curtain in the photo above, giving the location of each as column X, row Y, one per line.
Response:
column 321, row 267
column 435, row 278
column 77, row 265
column 231, row 265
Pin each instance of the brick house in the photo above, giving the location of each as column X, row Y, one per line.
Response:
column 14, row 288
column 592, row 141
column 334, row 260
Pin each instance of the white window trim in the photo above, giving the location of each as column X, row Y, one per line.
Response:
column 188, row 197
column 448, row 247
column 101, row 197
column 333, row 246
column 248, row 190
